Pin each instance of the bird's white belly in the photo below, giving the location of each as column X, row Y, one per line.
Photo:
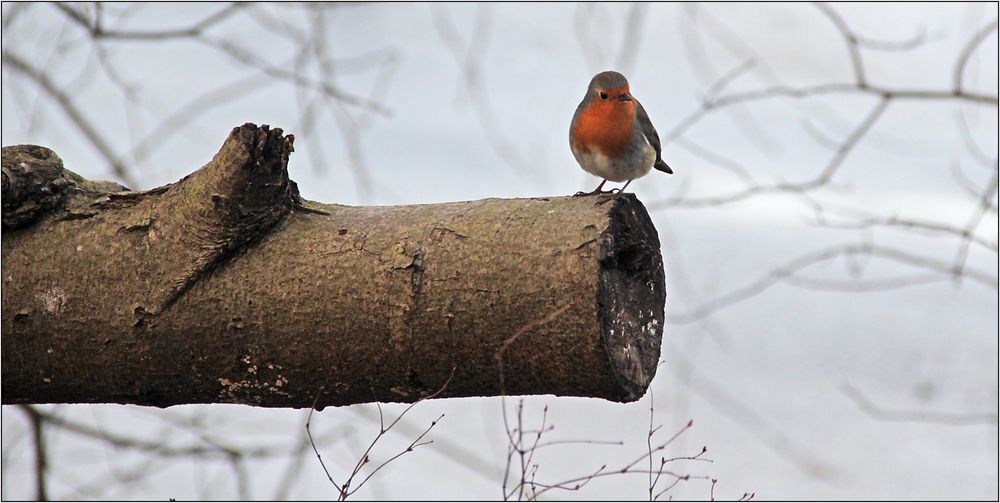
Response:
column 627, row 167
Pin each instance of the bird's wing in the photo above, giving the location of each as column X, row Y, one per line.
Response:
column 647, row 128
column 651, row 136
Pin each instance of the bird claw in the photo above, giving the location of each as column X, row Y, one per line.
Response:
column 604, row 198
column 593, row 193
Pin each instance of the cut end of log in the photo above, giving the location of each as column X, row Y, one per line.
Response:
column 631, row 295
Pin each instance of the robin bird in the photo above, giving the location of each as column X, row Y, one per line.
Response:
column 611, row 135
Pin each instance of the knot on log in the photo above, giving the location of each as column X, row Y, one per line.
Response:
column 244, row 189
column 230, row 202
column 35, row 183
column 176, row 233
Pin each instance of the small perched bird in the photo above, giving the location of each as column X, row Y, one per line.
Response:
column 611, row 136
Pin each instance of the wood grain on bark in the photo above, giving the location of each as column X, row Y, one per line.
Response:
column 227, row 287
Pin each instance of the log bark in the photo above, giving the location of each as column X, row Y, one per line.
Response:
column 227, row 287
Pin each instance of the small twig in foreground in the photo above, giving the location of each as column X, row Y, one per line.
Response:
column 345, row 490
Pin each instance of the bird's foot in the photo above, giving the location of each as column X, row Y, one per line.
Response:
column 610, row 195
column 604, row 198
column 594, row 193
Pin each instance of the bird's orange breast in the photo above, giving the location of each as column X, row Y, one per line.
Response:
column 606, row 126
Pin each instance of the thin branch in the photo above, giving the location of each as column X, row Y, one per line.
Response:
column 313, row 443
column 241, row 55
column 970, row 47
column 632, row 36
column 41, row 459
column 187, row 113
column 155, row 447
column 821, row 180
column 12, row 13
column 454, row 449
column 921, row 37
column 792, row 267
column 649, row 448
column 294, row 465
column 738, row 48
column 96, row 488
column 967, row 185
column 824, row 89
column 970, row 142
column 864, row 285
column 345, row 490
column 730, row 165
column 864, row 220
column 97, row 31
column 579, row 482
column 240, row 476
column 469, row 58
column 917, row 416
column 579, row 442
column 738, row 71
column 985, row 203
column 10, row 60
column 416, row 443
column 850, row 38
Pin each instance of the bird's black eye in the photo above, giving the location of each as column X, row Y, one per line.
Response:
column 603, row 95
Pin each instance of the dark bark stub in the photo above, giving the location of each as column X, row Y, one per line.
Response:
column 225, row 287
column 632, row 295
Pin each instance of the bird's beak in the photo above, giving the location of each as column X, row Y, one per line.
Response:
column 625, row 97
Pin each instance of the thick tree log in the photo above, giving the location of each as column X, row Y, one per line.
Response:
column 227, row 287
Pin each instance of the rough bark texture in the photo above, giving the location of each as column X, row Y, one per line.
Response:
column 227, row 287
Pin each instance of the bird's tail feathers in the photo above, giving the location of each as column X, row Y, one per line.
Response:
column 662, row 166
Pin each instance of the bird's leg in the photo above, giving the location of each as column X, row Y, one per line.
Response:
column 623, row 187
column 616, row 193
column 595, row 191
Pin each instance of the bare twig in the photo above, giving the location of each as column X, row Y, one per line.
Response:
column 345, row 489
column 862, row 220
column 155, row 447
column 917, row 416
column 97, row 31
column 970, row 47
column 528, row 486
column 632, row 32
column 820, row 180
column 578, row 482
column 850, row 38
column 84, row 125
column 41, row 459
column 870, row 89
column 985, row 204
column 456, row 449
column 823, row 255
column 920, row 38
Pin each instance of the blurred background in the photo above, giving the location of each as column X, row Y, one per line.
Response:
column 829, row 234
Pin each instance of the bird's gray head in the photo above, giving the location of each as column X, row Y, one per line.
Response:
column 607, row 87
column 608, row 80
